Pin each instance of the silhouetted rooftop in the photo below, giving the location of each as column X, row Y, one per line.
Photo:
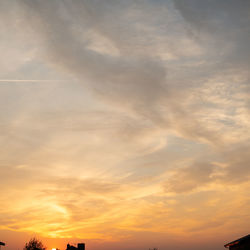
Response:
column 239, row 241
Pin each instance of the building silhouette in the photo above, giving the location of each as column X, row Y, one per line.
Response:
column 80, row 246
column 1, row 244
column 239, row 244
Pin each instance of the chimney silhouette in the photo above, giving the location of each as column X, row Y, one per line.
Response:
column 81, row 246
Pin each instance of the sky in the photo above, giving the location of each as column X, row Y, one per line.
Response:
column 125, row 124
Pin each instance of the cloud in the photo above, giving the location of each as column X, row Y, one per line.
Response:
column 237, row 164
column 190, row 178
column 127, row 80
column 147, row 132
column 232, row 169
column 224, row 24
column 131, row 82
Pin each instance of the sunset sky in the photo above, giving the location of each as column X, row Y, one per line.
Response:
column 125, row 124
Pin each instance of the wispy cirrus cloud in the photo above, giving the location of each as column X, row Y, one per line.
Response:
column 134, row 118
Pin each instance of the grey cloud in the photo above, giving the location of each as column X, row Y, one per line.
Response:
column 189, row 178
column 226, row 12
column 224, row 24
column 234, row 169
column 133, row 83
column 127, row 79
column 238, row 160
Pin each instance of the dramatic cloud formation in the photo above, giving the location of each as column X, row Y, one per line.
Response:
column 125, row 120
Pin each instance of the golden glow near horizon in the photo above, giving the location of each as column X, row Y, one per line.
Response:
column 124, row 123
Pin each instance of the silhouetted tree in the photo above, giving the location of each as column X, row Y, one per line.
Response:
column 34, row 244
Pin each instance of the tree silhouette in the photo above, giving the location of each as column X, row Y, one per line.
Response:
column 34, row 244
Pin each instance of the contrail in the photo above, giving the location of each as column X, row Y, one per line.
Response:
column 29, row 80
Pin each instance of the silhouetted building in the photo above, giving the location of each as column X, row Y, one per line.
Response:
column 240, row 244
column 2, row 244
column 80, row 246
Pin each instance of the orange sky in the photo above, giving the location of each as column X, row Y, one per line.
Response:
column 124, row 124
